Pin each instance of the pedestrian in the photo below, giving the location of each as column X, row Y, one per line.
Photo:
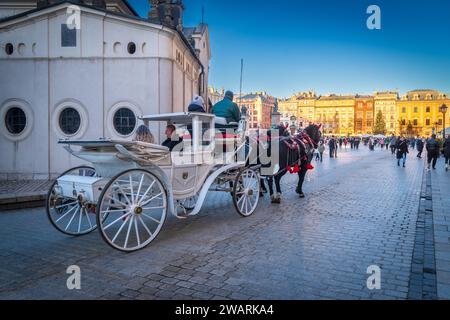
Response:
column 382, row 143
column 352, row 143
column 371, row 144
column 402, row 151
column 420, row 146
column 341, row 141
column 393, row 143
column 433, row 151
column 321, row 150
column 332, row 145
column 446, row 152
column 345, row 143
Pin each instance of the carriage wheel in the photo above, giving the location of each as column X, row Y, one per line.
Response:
column 132, row 210
column 246, row 191
column 67, row 214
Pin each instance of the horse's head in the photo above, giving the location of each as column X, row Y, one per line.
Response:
column 314, row 133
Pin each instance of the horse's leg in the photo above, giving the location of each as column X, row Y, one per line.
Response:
column 301, row 179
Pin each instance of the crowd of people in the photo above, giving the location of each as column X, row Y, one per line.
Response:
column 399, row 147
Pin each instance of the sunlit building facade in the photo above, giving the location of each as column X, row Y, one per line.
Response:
column 418, row 112
column 336, row 114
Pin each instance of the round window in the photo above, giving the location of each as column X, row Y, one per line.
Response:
column 15, row 120
column 131, row 48
column 69, row 121
column 9, row 49
column 124, row 121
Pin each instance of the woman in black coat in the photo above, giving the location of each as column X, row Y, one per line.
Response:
column 402, row 151
column 447, row 153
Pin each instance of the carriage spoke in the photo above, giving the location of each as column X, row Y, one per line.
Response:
column 120, row 229
column 154, row 208
column 123, row 192
column 244, row 197
column 131, row 189
column 151, row 218
column 128, row 232
column 137, row 231
column 73, row 216
column 114, row 210
column 118, row 201
column 66, row 205
column 65, row 214
column 140, row 186
column 151, row 199
column 79, row 219
column 145, row 227
column 89, row 218
column 146, row 192
column 118, row 219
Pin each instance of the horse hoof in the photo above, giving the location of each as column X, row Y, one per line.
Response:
column 301, row 195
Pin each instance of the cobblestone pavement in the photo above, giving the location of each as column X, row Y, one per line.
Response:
column 360, row 210
column 440, row 181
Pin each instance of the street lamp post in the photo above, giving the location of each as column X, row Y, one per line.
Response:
column 443, row 109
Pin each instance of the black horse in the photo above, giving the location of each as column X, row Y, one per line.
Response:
column 295, row 155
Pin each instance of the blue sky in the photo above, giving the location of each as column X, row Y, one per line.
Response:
column 324, row 45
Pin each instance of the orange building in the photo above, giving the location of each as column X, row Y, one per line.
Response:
column 259, row 109
column 364, row 114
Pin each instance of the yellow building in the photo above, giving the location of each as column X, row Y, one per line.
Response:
column 418, row 113
column 386, row 102
column 336, row 113
column 301, row 106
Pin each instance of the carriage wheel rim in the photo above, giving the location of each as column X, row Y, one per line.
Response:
column 128, row 210
column 247, row 197
column 69, row 215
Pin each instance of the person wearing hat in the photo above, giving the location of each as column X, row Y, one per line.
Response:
column 227, row 109
column 197, row 105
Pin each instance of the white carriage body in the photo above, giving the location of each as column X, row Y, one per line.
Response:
column 132, row 186
column 184, row 173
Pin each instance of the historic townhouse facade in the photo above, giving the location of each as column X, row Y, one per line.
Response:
column 364, row 114
column 418, row 112
column 386, row 102
column 337, row 114
column 259, row 107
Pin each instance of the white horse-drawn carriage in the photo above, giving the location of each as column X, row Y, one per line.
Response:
column 130, row 187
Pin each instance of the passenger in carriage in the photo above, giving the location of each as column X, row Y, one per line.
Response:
column 227, row 109
column 172, row 138
column 197, row 105
column 143, row 134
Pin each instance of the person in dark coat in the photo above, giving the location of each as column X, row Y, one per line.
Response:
column 447, row 153
column 197, row 105
column 332, row 145
column 433, row 151
column 420, row 146
column 172, row 139
column 402, row 151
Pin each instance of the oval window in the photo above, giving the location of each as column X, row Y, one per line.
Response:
column 131, row 48
column 15, row 120
column 124, row 121
column 69, row 121
column 9, row 49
